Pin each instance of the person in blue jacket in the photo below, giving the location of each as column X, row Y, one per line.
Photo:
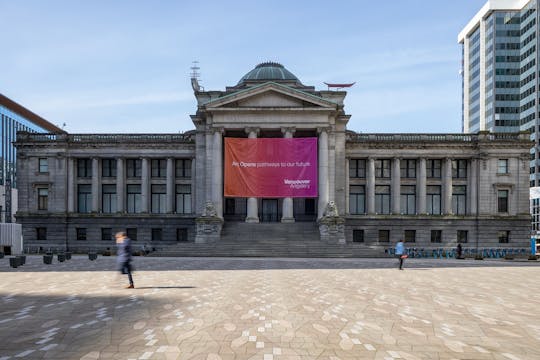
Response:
column 123, row 257
column 400, row 251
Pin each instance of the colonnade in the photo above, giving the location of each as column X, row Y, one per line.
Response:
column 446, row 183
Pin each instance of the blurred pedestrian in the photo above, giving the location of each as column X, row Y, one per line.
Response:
column 400, row 253
column 123, row 258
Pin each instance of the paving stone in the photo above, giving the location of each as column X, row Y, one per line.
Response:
column 212, row 308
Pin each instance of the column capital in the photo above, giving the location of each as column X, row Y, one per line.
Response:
column 220, row 130
column 256, row 130
column 325, row 129
column 291, row 129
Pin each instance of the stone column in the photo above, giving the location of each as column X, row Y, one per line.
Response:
column 447, row 191
column 95, row 185
column 396, row 188
column 370, row 186
column 287, row 211
column 145, row 185
column 71, row 190
column 323, row 171
column 217, row 178
column 171, row 194
column 471, row 189
column 421, row 187
column 252, row 208
column 120, row 186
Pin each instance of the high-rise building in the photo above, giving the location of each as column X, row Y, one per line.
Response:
column 15, row 117
column 499, row 70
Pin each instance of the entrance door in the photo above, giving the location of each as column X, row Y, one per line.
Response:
column 269, row 210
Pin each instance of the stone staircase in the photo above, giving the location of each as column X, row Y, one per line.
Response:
column 240, row 239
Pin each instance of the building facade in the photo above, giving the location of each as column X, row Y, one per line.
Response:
column 500, row 72
column 167, row 190
column 14, row 118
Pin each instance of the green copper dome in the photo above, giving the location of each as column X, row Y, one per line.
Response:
column 269, row 71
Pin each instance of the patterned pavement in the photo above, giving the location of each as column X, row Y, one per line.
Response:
column 206, row 308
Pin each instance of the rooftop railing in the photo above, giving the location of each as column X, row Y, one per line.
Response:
column 106, row 138
column 482, row 136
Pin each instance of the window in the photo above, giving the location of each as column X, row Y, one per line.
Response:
column 84, row 168
column 462, row 236
column 84, row 197
column 459, row 168
column 157, row 234
column 183, row 199
column 382, row 168
column 131, row 233
column 436, row 236
column 133, row 199
column 309, row 206
column 183, row 168
column 382, row 199
column 81, row 233
column 358, row 235
column 133, row 168
column 503, row 236
column 108, row 196
column 408, row 199
column 459, row 199
column 181, row 234
column 159, row 168
column 41, row 233
column 106, row 234
column 433, row 168
column 407, row 168
column 433, row 198
column 410, row 236
column 108, row 168
column 502, row 166
column 384, row 236
column 43, row 165
column 502, row 201
column 357, row 199
column 357, row 168
column 159, row 197
column 43, row 198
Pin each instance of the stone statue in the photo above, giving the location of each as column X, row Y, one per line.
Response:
column 331, row 209
column 209, row 210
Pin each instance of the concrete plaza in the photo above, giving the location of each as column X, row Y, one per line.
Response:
column 208, row 308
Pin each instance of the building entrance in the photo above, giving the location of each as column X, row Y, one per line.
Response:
column 269, row 210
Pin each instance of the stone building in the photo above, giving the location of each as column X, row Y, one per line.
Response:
column 167, row 190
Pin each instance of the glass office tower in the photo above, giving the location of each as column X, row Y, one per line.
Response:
column 499, row 69
column 13, row 118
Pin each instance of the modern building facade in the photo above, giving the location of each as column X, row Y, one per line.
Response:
column 500, row 72
column 171, row 191
column 14, row 118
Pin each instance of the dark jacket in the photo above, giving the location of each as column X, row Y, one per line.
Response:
column 124, row 251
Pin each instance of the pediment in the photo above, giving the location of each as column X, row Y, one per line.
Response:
column 270, row 95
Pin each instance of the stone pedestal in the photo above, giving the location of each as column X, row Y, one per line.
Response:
column 209, row 225
column 332, row 226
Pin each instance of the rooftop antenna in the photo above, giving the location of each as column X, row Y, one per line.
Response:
column 195, row 75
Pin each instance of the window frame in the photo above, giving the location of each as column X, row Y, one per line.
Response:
column 43, row 165
column 43, row 199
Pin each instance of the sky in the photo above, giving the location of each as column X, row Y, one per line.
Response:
column 124, row 66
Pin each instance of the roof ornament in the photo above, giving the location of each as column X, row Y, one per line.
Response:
column 195, row 74
column 338, row 87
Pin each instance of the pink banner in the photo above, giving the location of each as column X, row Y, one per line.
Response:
column 270, row 167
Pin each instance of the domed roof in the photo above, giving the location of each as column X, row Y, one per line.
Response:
column 269, row 71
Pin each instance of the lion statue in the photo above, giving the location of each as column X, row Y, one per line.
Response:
column 210, row 209
column 331, row 209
